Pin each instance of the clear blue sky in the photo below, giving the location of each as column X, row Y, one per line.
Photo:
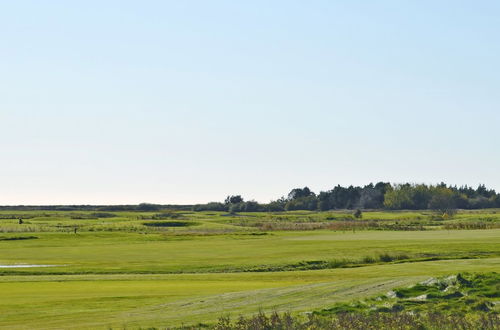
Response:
column 188, row 101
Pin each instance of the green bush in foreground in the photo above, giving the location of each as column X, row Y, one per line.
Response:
column 462, row 294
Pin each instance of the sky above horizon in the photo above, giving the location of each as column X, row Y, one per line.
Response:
column 117, row 102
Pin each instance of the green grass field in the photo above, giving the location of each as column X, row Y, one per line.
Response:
column 118, row 272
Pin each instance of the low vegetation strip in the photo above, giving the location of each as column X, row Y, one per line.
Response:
column 365, row 261
column 223, row 223
column 170, row 224
column 351, row 321
column 330, row 264
column 17, row 238
column 471, row 225
column 381, row 259
column 336, row 226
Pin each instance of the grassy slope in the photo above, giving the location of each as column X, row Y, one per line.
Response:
column 158, row 300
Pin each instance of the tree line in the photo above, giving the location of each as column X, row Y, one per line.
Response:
column 382, row 195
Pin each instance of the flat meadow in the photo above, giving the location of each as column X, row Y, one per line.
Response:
column 172, row 268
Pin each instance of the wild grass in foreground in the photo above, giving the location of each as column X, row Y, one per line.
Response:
column 463, row 301
column 351, row 321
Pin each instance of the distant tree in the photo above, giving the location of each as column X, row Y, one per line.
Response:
column 382, row 187
column 371, row 198
column 252, row 206
column 249, row 206
column 461, row 201
column 398, row 197
column 303, row 203
column 495, row 200
column 469, row 192
column 345, row 198
column 325, row 201
column 381, row 195
column 479, row 202
column 233, row 199
column 300, row 193
column 277, row 205
column 233, row 208
column 421, row 195
column 483, row 191
column 353, row 195
column 443, row 201
column 212, row 206
column 146, row 207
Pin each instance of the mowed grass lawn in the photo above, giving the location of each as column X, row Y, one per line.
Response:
column 119, row 252
column 139, row 300
column 118, row 279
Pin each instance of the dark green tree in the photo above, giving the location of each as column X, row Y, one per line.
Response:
column 443, row 201
column 233, row 199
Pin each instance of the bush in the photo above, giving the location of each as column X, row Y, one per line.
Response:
column 212, row 206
